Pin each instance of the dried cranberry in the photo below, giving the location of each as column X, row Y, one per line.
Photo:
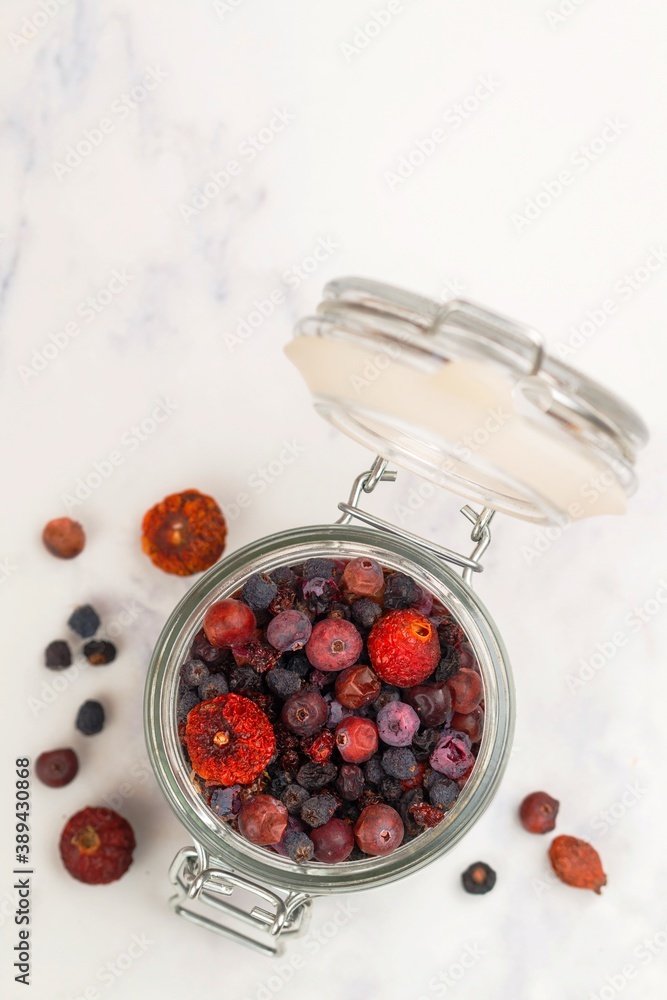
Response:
column 185, row 533
column 379, row 830
column 472, row 723
column 356, row 739
column 538, row 812
column 333, row 841
column 263, row 820
column 229, row 623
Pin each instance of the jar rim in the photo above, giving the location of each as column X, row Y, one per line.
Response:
column 293, row 546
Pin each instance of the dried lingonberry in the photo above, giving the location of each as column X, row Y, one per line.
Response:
column 356, row 739
column 404, row 648
column 357, row 686
column 538, row 812
column 363, row 577
column 334, row 644
column 466, row 690
column 472, row 723
column 56, row 768
column 577, row 864
column 185, row 533
column 263, row 820
column 96, row 845
column 289, row 630
column 478, row 879
column 64, row 538
column 333, row 842
column 229, row 739
column 99, row 652
column 229, row 623
column 379, row 830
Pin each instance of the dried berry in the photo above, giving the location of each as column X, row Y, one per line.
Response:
column 350, row 782
column 90, row 718
column 357, row 686
column 294, row 797
column 400, row 762
column 478, row 879
column 431, row 702
column 320, row 595
column 283, row 682
column 318, row 809
column 213, row 687
column 426, row 815
column 466, row 690
column 289, row 630
column 363, row 577
column 58, row 655
column 260, row 656
column 334, row 644
column 56, row 768
column 379, row 830
column 229, row 623
column 318, row 568
column 304, row 713
column 404, row 649
column 472, row 723
column 229, row 740
column 356, row 739
column 263, row 820
column 365, row 613
column 538, row 812
column 96, row 846
column 401, row 591
column 319, row 746
column 99, row 652
column 84, row 621
column 64, row 538
column 299, row 846
column 258, row 591
column 284, row 599
column 315, row 776
column 397, row 724
column 185, row 533
column 452, row 755
column 333, row 842
column 442, row 791
column 577, row 864
column 226, row 802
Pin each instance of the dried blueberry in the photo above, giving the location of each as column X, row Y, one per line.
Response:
column 374, row 771
column 194, row 673
column 365, row 613
column 400, row 591
column 318, row 810
column 315, row 776
column 443, row 792
column 58, row 655
column 283, row 682
column 400, row 762
column 186, row 702
column 299, row 664
column 318, row 568
column 258, row 591
column 84, row 621
column 299, row 846
column 391, row 789
column 293, row 797
column 215, row 685
column 90, row 718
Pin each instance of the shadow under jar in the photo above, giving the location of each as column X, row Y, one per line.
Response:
column 557, row 434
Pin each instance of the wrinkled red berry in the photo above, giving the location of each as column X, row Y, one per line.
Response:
column 319, row 746
column 431, row 702
column 357, row 686
column 229, row 739
column 577, row 864
column 305, row 712
column 334, row 644
column 263, row 820
column 185, row 533
column 404, row 648
column 407, row 784
column 466, row 690
column 379, row 830
column 538, row 812
column 96, row 845
column 472, row 723
column 229, row 623
column 452, row 755
column 426, row 815
column 64, row 538
column 363, row 577
column 57, row 768
column 260, row 656
column 356, row 739
column 333, row 841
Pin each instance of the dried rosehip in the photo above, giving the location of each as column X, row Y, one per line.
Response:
column 64, row 538
column 56, row 768
column 96, row 845
column 404, row 648
column 577, row 864
column 185, row 533
column 538, row 812
column 229, row 739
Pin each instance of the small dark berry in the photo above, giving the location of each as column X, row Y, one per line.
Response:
column 374, row 771
column 478, row 879
column 318, row 810
column 299, row 846
column 258, row 591
column 84, row 621
column 99, row 652
column 57, row 768
column 400, row 592
column 293, row 797
column 443, row 792
column 318, row 568
column 387, row 694
column 283, row 573
column 350, row 782
column 213, row 687
column 304, row 713
column 282, row 682
column 58, row 655
column 226, row 802
column 187, row 701
column 299, row 664
column 319, row 594
column 424, row 743
column 194, row 673
column 243, row 680
column 399, row 762
column 448, row 666
column 365, row 613
column 90, row 718
column 315, row 776
column 279, row 782
column 391, row 789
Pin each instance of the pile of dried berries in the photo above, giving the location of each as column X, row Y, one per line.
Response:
column 330, row 711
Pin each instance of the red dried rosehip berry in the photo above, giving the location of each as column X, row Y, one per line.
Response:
column 334, row 644
column 319, row 746
column 404, row 648
column 577, row 864
column 56, row 768
column 96, row 845
column 356, row 739
column 64, row 538
column 466, row 690
column 333, row 841
column 357, row 686
column 263, row 820
column 185, row 533
column 229, row 740
column 538, row 812
column 379, row 830
column 363, row 577
column 229, row 623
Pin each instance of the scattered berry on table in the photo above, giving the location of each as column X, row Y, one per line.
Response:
column 466, row 690
column 318, row 809
column 357, row 686
column 379, row 830
column 96, row 846
column 399, row 762
column 333, row 842
column 229, row 623
column 185, row 533
column 263, row 820
column 577, row 863
column 478, row 879
column 305, row 712
column 229, row 739
column 64, row 538
column 56, row 768
column 90, row 718
column 538, row 812
column 99, row 652
column 356, row 739
column 452, row 755
column 404, row 649
column 58, row 655
column 299, row 846
column 363, row 577
column 258, row 591
column 84, row 621
column 397, row 724
column 289, row 630
column 334, row 644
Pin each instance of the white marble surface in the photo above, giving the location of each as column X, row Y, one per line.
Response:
column 339, row 117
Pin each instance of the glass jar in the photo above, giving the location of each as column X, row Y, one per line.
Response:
column 557, row 419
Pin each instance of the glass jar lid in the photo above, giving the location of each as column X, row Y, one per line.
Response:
column 468, row 399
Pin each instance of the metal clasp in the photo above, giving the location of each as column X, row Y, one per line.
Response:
column 379, row 473
column 199, row 878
